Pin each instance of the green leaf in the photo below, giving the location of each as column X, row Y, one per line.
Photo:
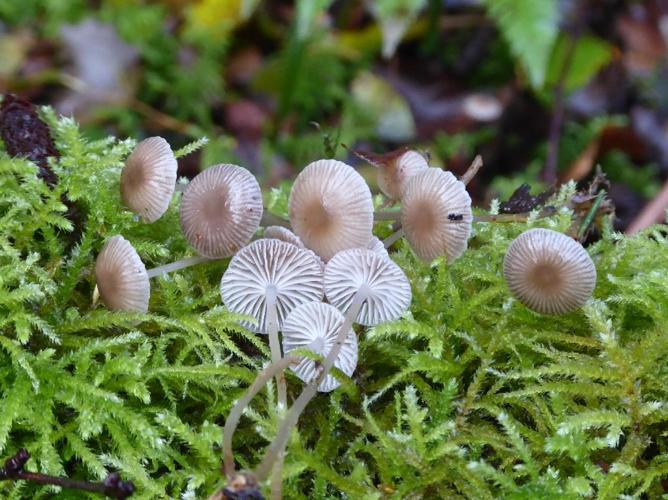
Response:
column 590, row 55
column 530, row 27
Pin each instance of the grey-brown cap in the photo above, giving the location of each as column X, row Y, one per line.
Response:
column 315, row 326
column 331, row 208
column 387, row 288
column 549, row 272
column 393, row 176
column 436, row 214
column 221, row 209
column 148, row 179
column 121, row 277
column 267, row 262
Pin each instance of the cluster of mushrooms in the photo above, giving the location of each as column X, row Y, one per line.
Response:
column 323, row 270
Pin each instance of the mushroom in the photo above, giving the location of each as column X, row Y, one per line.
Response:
column 283, row 234
column 266, row 280
column 549, row 272
column 221, row 209
column 377, row 246
column 436, row 214
column 314, row 326
column 331, row 208
column 370, row 288
column 394, row 170
column 122, row 280
column 148, row 179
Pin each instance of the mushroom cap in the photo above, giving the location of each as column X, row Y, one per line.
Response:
column 148, row 179
column 436, row 214
column 393, row 176
column 377, row 246
column 389, row 292
column 331, row 208
column 315, row 326
column 121, row 277
column 264, row 263
column 283, row 234
column 549, row 272
column 221, row 209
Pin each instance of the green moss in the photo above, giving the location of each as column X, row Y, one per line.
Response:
column 469, row 395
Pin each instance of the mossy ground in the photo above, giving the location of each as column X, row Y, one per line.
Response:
column 470, row 395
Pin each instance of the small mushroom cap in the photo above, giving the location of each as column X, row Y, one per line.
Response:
column 283, row 234
column 265, row 263
column 549, row 272
column 315, row 326
column 121, row 277
column 377, row 246
column 388, row 289
column 331, row 208
column 220, row 210
column 436, row 215
column 393, row 176
column 148, row 179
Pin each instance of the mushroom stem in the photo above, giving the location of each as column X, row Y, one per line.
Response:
column 277, row 446
column 476, row 165
column 387, row 215
column 274, row 344
column 235, row 414
column 180, row 187
column 175, row 266
column 397, row 235
column 269, row 219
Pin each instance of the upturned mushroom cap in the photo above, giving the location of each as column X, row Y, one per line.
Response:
column 388, row 290
column 148, row 179
column 266, row 263
column 314, row 326
column 283, row 234
column 436, row 215
column 121, row 277
column 331, row 208
column 220, row 210
column 549, row 272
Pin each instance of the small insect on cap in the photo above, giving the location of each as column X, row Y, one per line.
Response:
column 436, row 215
column 315, row 326
column 221, row 209
column 121, row 277
column 331, row 208
column 549, row 272
column 148, row 179
column 265, row 263
column 388, row 292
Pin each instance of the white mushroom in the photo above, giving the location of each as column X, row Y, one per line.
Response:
column 549, row 272
column 221, row 209
column 314, row 326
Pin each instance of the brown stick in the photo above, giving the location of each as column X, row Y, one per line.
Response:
column 470, row 173
column 653, row 213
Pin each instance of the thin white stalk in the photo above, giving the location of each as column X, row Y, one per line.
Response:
column 397, row 235
column 235, row 414
column 180, row 187
column 387, row 215
column 277, row 446
column 269, row 219
column 175, row 266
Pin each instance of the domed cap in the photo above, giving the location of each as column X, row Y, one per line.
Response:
column 148, row 179
column 314, row 326
column 436, row 215
column 283, row 234
column 331, row 208
column 221, row 209
column 549, row 272
column 387, row 288
column 393, row 176
column 377, row 246
column 121, row 277
column 265, row 263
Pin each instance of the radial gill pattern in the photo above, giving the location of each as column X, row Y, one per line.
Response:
column 314, row 326
column 387, row 289
column 148, row 179
column 220, row 210
column 436, row 214
column 264, row 263
column 121, row 277
column 331, row 208
column 549, row 272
